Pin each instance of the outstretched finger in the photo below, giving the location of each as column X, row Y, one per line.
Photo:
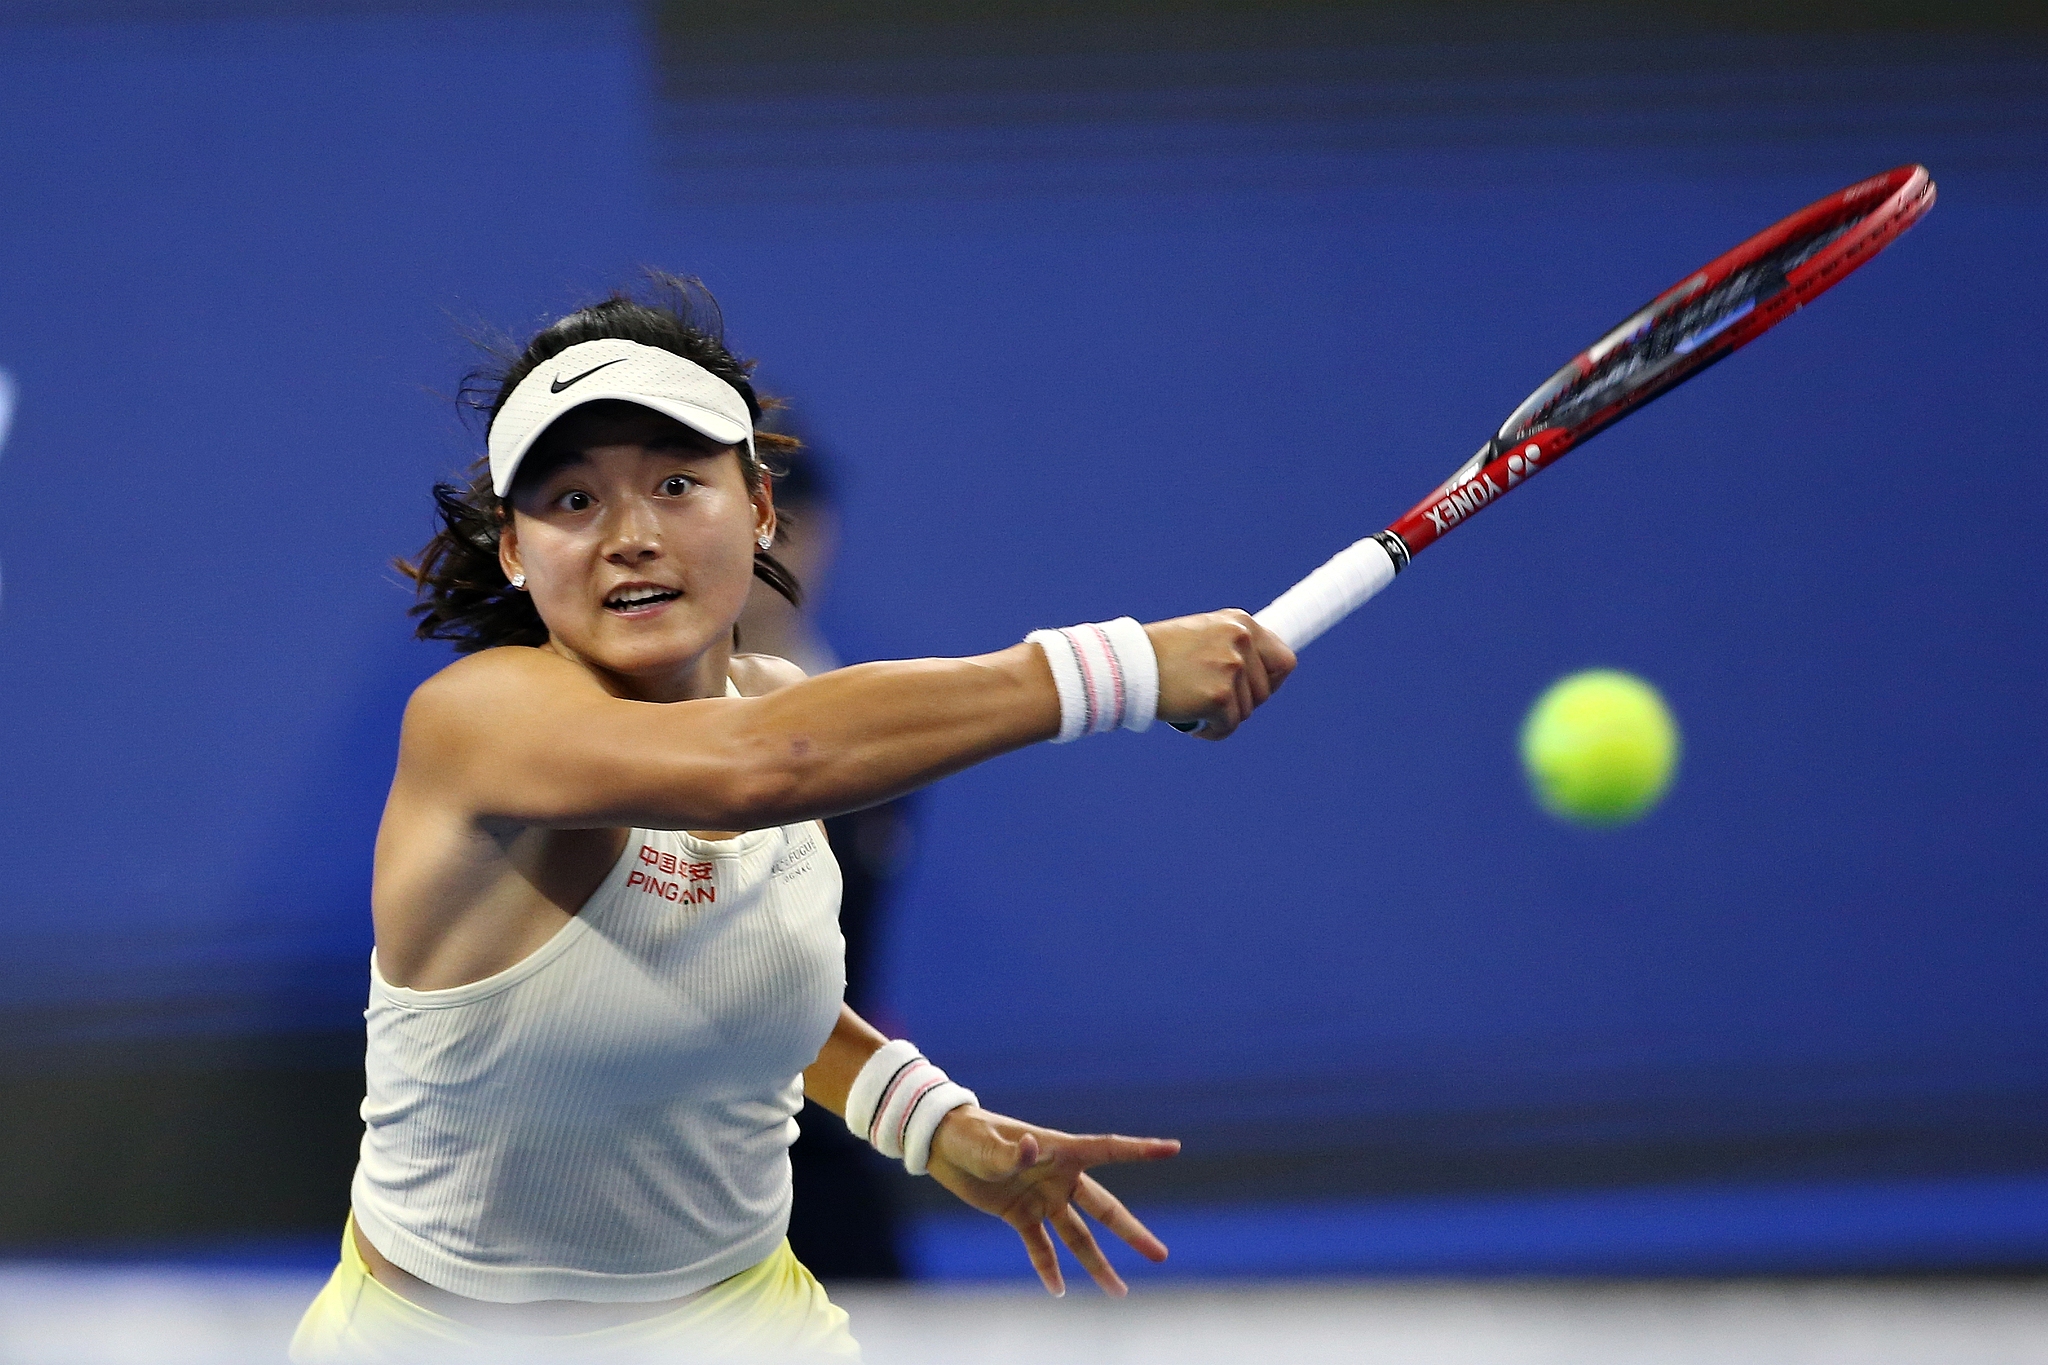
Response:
column 1106, row 1209
column 1046, row 1261
column 1074, row 1232
column 1111, row 1148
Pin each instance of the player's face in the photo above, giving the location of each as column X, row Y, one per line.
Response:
column 638, row 547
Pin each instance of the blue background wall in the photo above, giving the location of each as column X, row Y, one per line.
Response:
column 1092, row 348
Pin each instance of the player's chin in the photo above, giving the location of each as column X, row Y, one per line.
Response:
column 642, row 646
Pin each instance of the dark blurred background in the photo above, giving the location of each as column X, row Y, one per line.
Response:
column 1110, row 308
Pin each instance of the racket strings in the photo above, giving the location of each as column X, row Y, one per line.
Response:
column 1804, row 249
column 1658, row 347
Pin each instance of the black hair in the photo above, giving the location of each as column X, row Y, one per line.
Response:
column 462, row 592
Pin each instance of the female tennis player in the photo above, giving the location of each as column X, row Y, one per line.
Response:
column 607, row 967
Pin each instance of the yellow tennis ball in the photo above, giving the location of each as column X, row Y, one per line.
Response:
column 1600, row 747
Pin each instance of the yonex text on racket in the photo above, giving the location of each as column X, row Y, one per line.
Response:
column 1706, row 317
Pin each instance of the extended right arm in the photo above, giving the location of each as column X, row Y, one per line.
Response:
column 527, row 738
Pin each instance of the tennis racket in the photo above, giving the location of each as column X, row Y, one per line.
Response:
column 1707, row 317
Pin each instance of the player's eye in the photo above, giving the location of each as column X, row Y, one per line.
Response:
column 675, row 485
column 575, row 500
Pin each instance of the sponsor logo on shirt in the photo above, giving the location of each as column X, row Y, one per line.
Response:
column 795, row 861
column 681, row 885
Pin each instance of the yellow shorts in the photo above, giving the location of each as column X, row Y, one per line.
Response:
column 775, row 1312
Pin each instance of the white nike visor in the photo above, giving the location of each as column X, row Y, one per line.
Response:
column 591, row 371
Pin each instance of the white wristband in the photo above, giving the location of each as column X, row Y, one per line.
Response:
column 1066, row 680
column 898, row 1101
column 866, row 1094
column 1106, row 674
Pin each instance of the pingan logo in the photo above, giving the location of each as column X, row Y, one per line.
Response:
column 682, row 884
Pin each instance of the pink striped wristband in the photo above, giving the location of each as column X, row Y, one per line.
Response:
column 1107, row 676
column 898, row 1101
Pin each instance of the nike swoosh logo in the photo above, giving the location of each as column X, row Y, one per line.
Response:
column 557, row 385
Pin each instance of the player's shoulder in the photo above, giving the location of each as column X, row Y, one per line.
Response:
column 479, row 685
column 759, row 674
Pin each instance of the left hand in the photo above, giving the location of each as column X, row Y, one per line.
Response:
column 1030, row 1176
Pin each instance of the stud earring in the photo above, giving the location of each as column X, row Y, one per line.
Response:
column 519, row 581
column 765, row 540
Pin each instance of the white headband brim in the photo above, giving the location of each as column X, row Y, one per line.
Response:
column 592, row 371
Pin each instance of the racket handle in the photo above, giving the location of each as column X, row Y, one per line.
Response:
column 1346, row 581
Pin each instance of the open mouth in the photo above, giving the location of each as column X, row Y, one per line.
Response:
column 633, row 601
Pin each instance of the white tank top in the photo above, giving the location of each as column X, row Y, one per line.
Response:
column 609, row 1119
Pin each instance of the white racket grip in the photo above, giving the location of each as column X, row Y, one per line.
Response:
column 1346, row 582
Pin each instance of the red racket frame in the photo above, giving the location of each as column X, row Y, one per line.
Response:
column 1905, row 193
